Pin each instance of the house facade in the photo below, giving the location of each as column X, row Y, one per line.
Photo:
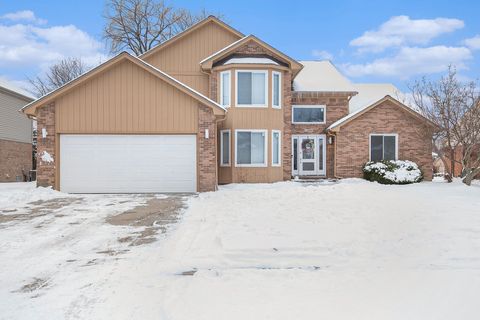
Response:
column 15, row 134
column 212, row 106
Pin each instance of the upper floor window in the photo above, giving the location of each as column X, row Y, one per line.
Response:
column 383, row 147
column 225, row 88
column 252, row 88
column 314, row 114
column 276, row 89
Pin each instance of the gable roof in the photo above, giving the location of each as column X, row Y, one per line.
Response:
column 30, row 109
column 335, row 127
column 321, row 76
column 10, row 88
column 198, row 25
column 207, row 63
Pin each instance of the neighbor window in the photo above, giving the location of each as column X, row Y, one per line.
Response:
column 225, row 148
column 252, row 88
column 308, row 114
column 276, row 89
column 276, row 148
column 225, row 88
column 250, row 148
column 383, row 147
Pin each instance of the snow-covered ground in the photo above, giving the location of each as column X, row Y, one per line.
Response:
column 352, row 250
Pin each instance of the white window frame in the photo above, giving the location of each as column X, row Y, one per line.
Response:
column 384, row 135
column 266, row 89
column 279, row 106
column 230, row 87
column 222, row 164
column 279, row 148
column 299, row 106
column 265, row 157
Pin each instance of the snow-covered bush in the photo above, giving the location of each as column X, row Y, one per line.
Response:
column 392, row 172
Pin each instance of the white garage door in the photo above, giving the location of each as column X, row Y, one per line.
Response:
column 127, row 163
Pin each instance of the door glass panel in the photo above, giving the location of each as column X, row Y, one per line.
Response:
column 308, row 149
column 308, row 166
column 295, row 154
column 320, row 154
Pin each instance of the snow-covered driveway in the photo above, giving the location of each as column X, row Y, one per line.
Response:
column 352, row 250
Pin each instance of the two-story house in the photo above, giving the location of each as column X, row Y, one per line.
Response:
column 212, row 106
column 15, row 134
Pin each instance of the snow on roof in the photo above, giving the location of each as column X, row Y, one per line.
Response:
column 12, row 87
column 369, row 93
column 321, row 76
column 250, row 60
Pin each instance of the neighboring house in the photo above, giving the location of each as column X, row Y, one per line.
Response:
column 212, row 106
column 15, row 134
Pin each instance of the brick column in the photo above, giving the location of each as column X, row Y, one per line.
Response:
column 207, row 155
column 287, row 127
column 46, row 146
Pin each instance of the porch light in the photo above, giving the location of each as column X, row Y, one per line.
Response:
column 330, row 140
column 207, row 135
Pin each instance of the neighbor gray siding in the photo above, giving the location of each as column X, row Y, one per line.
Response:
column 14, row 125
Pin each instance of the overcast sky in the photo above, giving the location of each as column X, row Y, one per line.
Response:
column 369, row 41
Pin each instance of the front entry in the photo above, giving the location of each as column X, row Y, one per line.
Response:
column 308, row 155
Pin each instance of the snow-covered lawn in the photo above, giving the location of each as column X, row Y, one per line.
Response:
column 352, row 250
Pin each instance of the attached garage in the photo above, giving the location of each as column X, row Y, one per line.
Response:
column 127, row 163
column 127, row 127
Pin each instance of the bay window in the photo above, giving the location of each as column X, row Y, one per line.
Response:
column 225, row 148
column 251, row 88
column 276, row 89
column 225, row 91
column 251, row 148
column 383, row 147
column 276, row 148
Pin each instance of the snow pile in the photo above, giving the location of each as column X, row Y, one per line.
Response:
column 46, row 157
column 392, row 172
column 15, row 195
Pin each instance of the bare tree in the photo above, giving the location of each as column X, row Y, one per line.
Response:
column 139, row 25
column 57, row 75
column 452, row 106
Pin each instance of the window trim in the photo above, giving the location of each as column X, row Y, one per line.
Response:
column 383, row 149
column 300, row 106
column 229, row 148
column 279, row 164
column 279, row 106
column 221, row 88
column 265, row 72
column 265, row 157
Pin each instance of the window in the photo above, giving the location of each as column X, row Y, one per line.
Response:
column 252, row 88
column 276, row 89
column 276, row 148
column 251, row 148
column 225, row 88
column 308, row 114
column 383, row 147
column 225, row 148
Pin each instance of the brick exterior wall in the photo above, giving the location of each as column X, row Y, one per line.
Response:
column 336, row 108
column 353, row 140
column 207, row 156
column 46, row 170
column 15, row 160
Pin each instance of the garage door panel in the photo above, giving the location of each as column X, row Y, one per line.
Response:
column 127, row 163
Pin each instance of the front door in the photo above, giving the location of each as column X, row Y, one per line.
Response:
column 308, row 155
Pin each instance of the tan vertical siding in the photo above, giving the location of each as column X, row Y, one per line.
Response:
column 126, row 99
column 182, row 58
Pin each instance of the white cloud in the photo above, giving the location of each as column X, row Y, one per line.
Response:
column 25, row 15
column 27, row 45
column 411, row 61
column 322, row 54
column 473, row 43
column 401, row 31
